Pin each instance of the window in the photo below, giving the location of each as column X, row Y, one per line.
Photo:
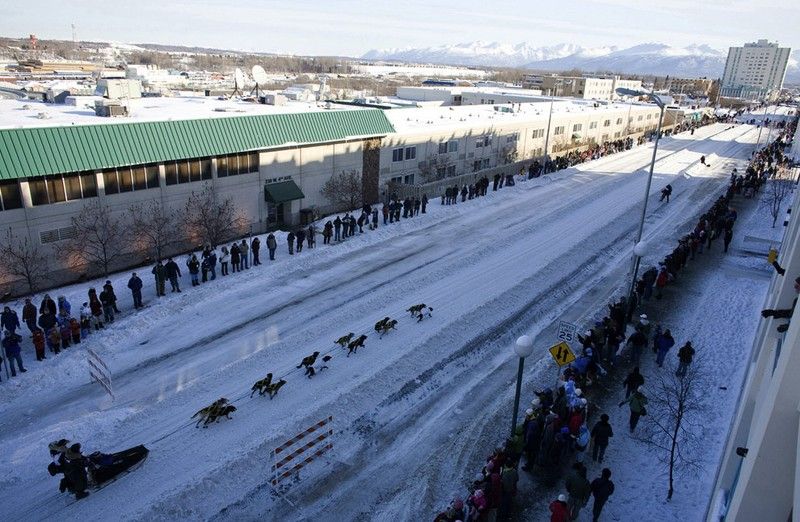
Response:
column 10, row 195
column 607, row 123
column 451, row 170
column 485, row 163
column 604, row 138
column 57, row 234
column 127, row 179
column 411, row 153
column 443, row 147
column 171, row 174
column 397, row 179
column 513, row 138
column 593, row 125
column 619, row 121
column 440, row 172
column 577, row 127
column 452, row 146
column 649, row 116
column 538, row 133
column 476, row 165
column 397, row 155
column 409, row 179
column 558, row 130
column 639, row 118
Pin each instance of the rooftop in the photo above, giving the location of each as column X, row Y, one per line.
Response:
column 16, row 114
column 409, row 120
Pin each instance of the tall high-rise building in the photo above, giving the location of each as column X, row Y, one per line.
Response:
column 755, row 70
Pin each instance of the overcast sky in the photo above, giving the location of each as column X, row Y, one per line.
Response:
column 352, row 27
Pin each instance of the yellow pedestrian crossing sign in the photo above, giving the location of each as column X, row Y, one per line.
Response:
column 562, row 354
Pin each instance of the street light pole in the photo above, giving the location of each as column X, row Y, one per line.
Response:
column 523, row 348
column 547, row 134
column 761, row 127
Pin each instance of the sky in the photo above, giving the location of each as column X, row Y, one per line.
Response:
column 353, row 27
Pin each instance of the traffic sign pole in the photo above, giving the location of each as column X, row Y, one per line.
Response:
column 516, row 396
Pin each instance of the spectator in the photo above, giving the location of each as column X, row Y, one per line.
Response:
column 9, row 320
column 559, row 510
column 223, row 260
column 194, row 269
column 601, row 432
column 685, row 355
column 244, row 256
column 272, row 246
column 12, row 349
column 255, row 247
column 108, row 302
column 110, row 289
column 637, row 402
column 29, row 314
column 173, row 272
column 602, row 488
column 160, row 274
column 135, row 285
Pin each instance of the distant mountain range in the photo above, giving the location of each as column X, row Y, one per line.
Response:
column 649, row 58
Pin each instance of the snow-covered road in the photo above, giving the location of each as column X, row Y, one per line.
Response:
column 409, row 408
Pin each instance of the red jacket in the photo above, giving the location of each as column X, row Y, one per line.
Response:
column 560, row 511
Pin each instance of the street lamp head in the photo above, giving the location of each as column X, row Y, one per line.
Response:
column 622, row 91
column 640, row 249
column 524, row 346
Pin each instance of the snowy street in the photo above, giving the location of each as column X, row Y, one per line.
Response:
column 433, row 392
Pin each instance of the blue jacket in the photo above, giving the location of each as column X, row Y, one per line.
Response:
column 664, row 343
column 11, row 345
column 9, row 320
column 135, row 284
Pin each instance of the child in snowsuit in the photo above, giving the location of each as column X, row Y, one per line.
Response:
column 66, row 334
column 54, row 340
column 38, row 344
column 86, row 320
column 75, row 328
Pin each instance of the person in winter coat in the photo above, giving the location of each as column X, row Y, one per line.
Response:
column 632, row 382
column 290, row 241
column 579, row 490
column 661, row 281
column 12, row 348
column 48, row 303
column 479, row 503
column 204, row 267
column 636, row 402
column 110, row 289
column 327, row 232
column 75, row 471
column 173, row 272
column 193, row 264
column 64, row 308
column 663, row 343
column 75, row 330
column 54, row 340
column 160, row 274
column 224, row 259
column 236, row 258
column 582, row 441
column 255, row 247
column 108, row 302
column 38, row 344
column 637, row 343
column 337, row 226
column 602, row 488
column 301, row 236
column 212, row 263
column 86, row 320
column 728, row 238
column 272, row 246
column 29, row 315
column 559, row 510
column 424, row 202
column 685, row 356
column 9, row 320
column 509, row 478
column 135, row 285
column 601, row 432
column 47, row 320
column 244, row 259
column 66, row 334
column 97, row 310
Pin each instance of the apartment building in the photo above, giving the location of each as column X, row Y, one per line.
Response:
column 756, row 69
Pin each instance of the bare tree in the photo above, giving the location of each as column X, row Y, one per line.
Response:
column 507, row 155
column 429, row 168
column 343, row 190
column 22, row 258
column 776, row 191
column 674, row 425
column 209, row 220
column 98, row 237
column 154, row 227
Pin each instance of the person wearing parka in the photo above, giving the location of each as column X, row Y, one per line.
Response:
column 272, row 246
column 663, row 343
column 637, row 402
column 290, row 242
column 236, row 257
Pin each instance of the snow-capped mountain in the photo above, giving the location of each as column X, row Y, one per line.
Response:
column 648, row 58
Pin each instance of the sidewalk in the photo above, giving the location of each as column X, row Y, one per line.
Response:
column 714, row 302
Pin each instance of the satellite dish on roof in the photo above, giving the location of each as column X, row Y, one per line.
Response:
column 259, row 75
column 238, row 79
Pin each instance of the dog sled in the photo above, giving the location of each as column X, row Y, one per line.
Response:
column 107, row 467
